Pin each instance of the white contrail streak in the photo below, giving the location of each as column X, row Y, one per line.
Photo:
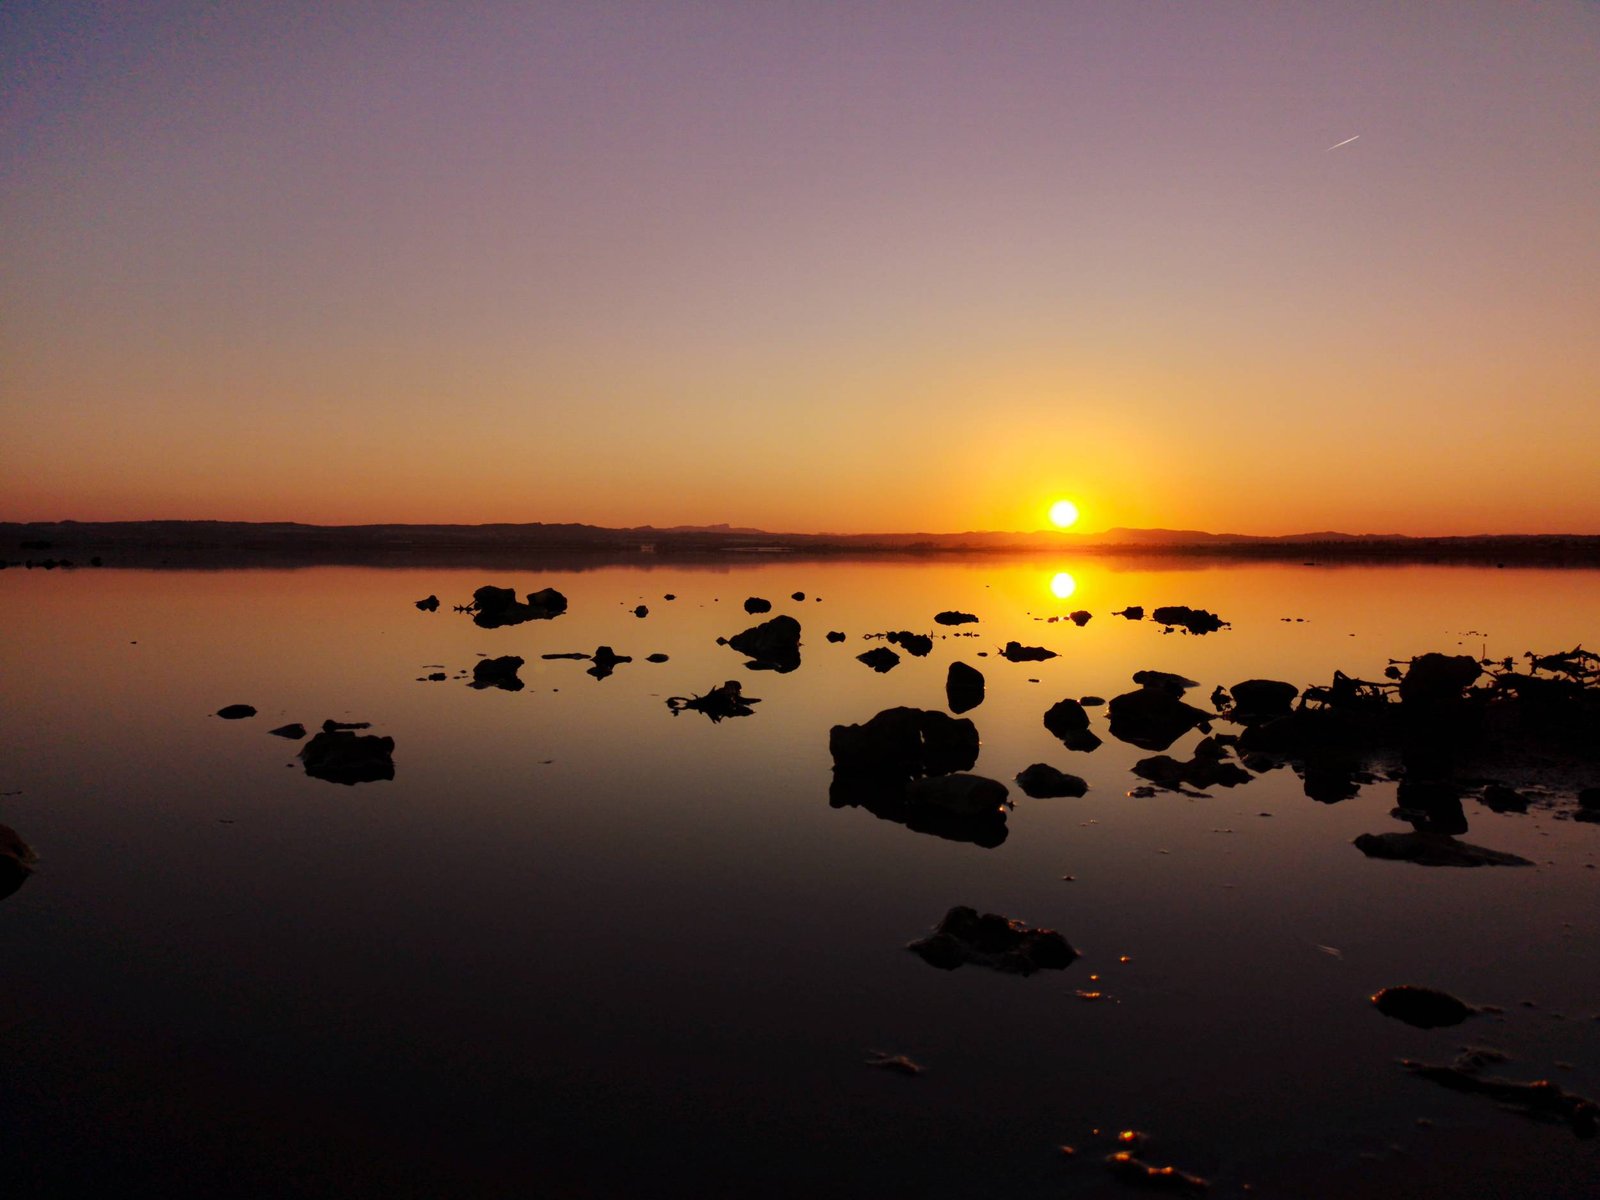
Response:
column 1346, row 142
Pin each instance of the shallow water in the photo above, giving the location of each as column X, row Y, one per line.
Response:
column 581, row 946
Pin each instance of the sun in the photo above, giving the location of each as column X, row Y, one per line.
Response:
column 1064, row 513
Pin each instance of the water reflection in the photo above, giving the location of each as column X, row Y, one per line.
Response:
column 17, row 860
column 1062, row 585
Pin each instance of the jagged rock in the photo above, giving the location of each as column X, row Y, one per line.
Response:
column 1134, row 612
column 497, row 673
column 1207, row 768
column 952, row 617
column 994, row 941
column 1262, row 699
column 1016, row 652
column 1423, row 1007
column 1434, row 850
column 918, row 645
column 1152, row 719
column 236, row 712
column 1164, row 681
column 880, row 659
column 963, row 687
column 431, row 604
column 1081, row 618
column 773, row 644
column 1042, row 781
column 726, row 700
column 294, row 731
column 1195, row 620
column 960, row 794
column 835, row 635
column 339, row 756
column 755, row 604
column 905, row 743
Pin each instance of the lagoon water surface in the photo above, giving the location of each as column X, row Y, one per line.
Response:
column 582, row 946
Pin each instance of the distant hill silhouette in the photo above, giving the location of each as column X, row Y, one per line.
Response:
column 221, row 543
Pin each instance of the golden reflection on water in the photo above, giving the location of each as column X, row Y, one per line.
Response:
column 1062, row 585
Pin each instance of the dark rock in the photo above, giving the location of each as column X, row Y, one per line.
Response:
column 797, row 596
column 960, row 794
column 431, row 604
column 1066, row 718
column 655, row 658
column 493, row 607
column 497, row 673
column 1589, row 799
column 1164, row 681
column 918, row 645
column 1220, row 698
column 17, row 861
column 835, row 635
column 340, row 756
column 1430, row 806
column 330, row 725
column 1438, row 679
column 605, row 661
column 727, row 700
column 1434, row 850
column 774, row 644
column 641, row 611
column 1262, row 699
column 436, row 676
column 952, row 617
column 880, row 659
column 963, row 687
column 1195, row 620
column 994, row 941
column 294, row 732
column 1540, row 1099
column 1208, row 767
column 1152, row 719
column 1091, row 701
column 1422, row 1007
column 1134, row 612
column 236, row 712
column 755, row 604
column 1016, row 652
column 1042, row 781
column 1081, row 618
column 905, row 744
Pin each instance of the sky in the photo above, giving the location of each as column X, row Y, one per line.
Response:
column 853, row 267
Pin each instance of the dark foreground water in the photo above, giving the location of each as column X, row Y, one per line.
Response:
column 579, row 946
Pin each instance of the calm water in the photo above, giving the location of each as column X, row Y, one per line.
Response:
column 579, row 946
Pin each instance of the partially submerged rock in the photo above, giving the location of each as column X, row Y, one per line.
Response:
column 755, row 604
column 605, row 660
column 1042, row 781
column 1207, row 767
column 339, row 756
column 918, row 645
column 772, row 645
column 1017, row 652
column 1134, row 612
column 994, row 941
column 1066, row 718
column 1152, row 719
column 1438, row 679
column 1170, row 1181
column 497, row 673
column 835, row 635
column 951, row 617
column 294, row 731
column 17, row 861
column 1262, row 699
column 1081, row 618
column 961, row 795
column 905, row 744
column 430, row 604
column 236, row 712
column 1540, row 1099
column 1420, row 1006
column 725, row 700
column 880, row 659
column 963, row 687
column 493, row 607
column 1434, row 850
column 878, row 766
column 1195, row 620
column 1164, row 681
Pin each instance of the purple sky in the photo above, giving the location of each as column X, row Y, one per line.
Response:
column 806, row 266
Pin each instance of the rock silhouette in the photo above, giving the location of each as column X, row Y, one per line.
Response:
column 497, row 673
column 725, row 700
column 774, row 644
column 951, row 617
column 1423, row 1007
column 1434, row 850
column 755, row 604
column 493, row 607
column 880, row 659
column 1195, row 620
column 339, row 756
column 236, row 712
column 1262, row 699
column 1017, row 652
column 991, row 940
column 1152, row 719
column 1042, row 782
column 430, row 604
column 918, row 645
column 17, row 861
column 294, row 731
column 963, row 687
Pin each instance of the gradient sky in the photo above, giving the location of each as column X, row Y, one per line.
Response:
column 807, row 266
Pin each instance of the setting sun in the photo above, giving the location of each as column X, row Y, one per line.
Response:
column 1064, row 513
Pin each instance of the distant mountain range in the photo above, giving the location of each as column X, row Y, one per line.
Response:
column 202, row 542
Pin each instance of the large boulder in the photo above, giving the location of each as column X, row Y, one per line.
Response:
column 497, row 673
column 773, row 644
column 1426, row 1008
column 905, row 743
column 1195, row 620
column 339, row 756
column 1042, row 781
column 880, row 659
column 493, row 607
column 1065, row 718
column 1262, row 699
column 1438, row 679
column 963, row 687
column 1152, row 719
